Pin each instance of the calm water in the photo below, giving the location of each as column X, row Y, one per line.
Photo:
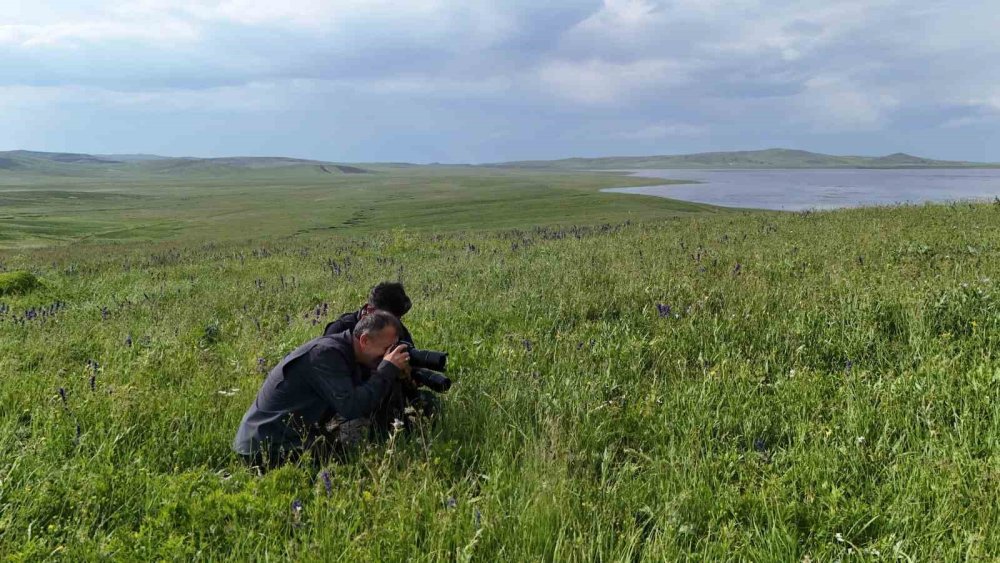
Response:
column 794, row 190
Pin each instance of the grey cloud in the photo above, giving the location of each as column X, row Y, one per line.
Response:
column 599, row 77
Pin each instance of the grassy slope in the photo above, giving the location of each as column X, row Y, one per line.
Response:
column 223, row 204
column 820, row 376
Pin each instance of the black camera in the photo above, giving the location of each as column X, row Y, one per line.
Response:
column 427, row 367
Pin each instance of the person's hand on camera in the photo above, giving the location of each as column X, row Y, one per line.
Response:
column 400, row 357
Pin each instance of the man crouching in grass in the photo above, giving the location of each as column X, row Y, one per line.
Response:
column 321, row 397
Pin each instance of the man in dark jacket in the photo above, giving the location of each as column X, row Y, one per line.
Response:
column 332, row 382
column 390, row 297
column 386, row 296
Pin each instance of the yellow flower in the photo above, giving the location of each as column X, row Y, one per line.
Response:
column 367, row 496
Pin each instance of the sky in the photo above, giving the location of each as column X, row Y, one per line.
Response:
column 469, row 81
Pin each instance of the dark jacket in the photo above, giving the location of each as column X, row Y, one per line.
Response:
column 347, row 321
column 319, row 380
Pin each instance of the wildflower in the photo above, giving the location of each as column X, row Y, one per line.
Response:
column 229, row 393
column 296, row 512
column 860, row 440
column 397, row 425
column 737, row 269
column 477, row 517
column 839, row 537
column 93, row 382
column 62, row 395
column 326, row 483
column 367, row 496
column 759, row 445
column 451, row 502
column 261, row 365
column 527, row 344
column 663, row 310
column 848, row 365
column 128, row 340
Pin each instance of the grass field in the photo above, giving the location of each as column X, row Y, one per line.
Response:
column 46, row 210
column 634, row 380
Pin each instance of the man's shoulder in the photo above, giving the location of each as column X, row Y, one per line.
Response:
column 338, row 341
column 347, row 321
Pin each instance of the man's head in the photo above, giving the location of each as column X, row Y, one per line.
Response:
column 374, row 335
column 388, row 296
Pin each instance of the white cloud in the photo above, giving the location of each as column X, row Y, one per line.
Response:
column 75, row 34
column 832, row 103
column 602, row 82
column 663, row 130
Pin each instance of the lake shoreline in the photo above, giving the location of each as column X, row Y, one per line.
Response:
column 800, row 189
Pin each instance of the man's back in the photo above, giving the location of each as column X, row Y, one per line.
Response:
column 309, row 386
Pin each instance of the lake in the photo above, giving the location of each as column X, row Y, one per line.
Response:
column 794, row 190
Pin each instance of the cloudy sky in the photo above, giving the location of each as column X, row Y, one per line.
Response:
column 481, row 81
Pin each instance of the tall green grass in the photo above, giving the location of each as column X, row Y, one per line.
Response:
column 748, row 386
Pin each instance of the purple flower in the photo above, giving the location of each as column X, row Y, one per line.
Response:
column 451, row 502
column 296, row 513
column 848, row 365
column 759, row 445
column 261, row 365
column 737, row 269
column 62, row 394
column 326, row 483
column 663, row 310
column 527, row 344
column 128, row 340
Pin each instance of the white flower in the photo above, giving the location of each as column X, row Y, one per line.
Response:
column 860, row 440
column 839, row 537
column 397, row 425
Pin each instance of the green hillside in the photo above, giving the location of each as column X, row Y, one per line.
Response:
column 200, row 201
column 116, row 166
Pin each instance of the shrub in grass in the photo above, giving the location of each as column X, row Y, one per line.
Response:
column 18, row 282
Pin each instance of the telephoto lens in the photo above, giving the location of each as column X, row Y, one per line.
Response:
column 433, row 380
column 427, row 365
column 429, row 359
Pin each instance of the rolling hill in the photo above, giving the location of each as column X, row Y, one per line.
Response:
column 769, row 158
column 87, row 165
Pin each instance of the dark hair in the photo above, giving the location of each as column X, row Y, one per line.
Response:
column 376, row 322
column 390, row 296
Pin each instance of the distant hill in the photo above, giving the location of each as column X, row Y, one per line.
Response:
column 74, row 164
column 769, row 158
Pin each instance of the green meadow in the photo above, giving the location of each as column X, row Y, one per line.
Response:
column 635, row 378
